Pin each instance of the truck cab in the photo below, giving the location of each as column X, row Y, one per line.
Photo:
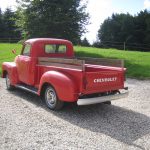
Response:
column 47, row 67
column 35, row 48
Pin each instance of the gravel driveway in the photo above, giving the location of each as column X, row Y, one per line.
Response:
column 25, row 122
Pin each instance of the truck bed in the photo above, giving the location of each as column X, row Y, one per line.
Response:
column 97, row 77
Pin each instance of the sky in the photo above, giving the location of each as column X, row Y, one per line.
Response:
column 99, row 10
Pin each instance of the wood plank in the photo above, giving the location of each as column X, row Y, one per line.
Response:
column 61, row 60
column 62, row 65
column 103, row 61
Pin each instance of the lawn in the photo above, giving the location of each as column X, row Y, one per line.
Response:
column 137, row 63
column 6, row 52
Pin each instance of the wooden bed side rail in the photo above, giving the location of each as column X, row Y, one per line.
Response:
column 103, row 61
column 62, row 62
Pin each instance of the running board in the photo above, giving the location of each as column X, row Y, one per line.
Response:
column 27, row 88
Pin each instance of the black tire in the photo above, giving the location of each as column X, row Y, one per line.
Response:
column 51, row 99
column 108, row 102
column 8, row 84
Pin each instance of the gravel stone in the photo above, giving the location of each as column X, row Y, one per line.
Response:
column 27, row 124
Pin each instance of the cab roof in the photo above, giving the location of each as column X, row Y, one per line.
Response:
column 39, row 40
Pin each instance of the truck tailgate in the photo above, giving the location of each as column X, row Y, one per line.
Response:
column 103, row 81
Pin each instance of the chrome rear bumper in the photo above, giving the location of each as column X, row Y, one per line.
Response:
column 95, row 100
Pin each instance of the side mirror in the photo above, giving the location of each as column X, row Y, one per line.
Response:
column 14, row 51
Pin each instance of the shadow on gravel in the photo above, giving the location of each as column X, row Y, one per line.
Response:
column 119, row 123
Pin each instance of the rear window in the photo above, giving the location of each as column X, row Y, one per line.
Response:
column 55, row 48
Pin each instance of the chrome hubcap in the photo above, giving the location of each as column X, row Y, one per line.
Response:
column 51, row 97
column 7, row 81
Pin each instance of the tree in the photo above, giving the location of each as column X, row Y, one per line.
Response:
column 1, row 25
column 85, row 42
column 134, row 31
column 142, row 27
column 96, row 44
column 10, row 29
column 53, row 18
column 117, row 28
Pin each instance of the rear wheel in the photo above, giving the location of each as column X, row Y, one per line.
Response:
column 8, row 84
column 51, row 99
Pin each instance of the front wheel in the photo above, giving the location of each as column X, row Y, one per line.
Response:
column 8, row 84
column 51, row 99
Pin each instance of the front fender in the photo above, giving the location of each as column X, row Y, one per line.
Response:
column 63, row 84
column 11, row 69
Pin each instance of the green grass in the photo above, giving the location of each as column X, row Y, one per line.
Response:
column 6, row 52
column 137, row 63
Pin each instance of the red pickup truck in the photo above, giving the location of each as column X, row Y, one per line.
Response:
column 47, row 67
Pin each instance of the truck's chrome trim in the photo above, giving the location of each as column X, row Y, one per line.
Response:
column 95, row 100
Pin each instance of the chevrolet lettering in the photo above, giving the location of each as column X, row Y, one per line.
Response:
column 105, row 80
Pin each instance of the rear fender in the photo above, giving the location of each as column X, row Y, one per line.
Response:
column 63, row 84
column 11, row 69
